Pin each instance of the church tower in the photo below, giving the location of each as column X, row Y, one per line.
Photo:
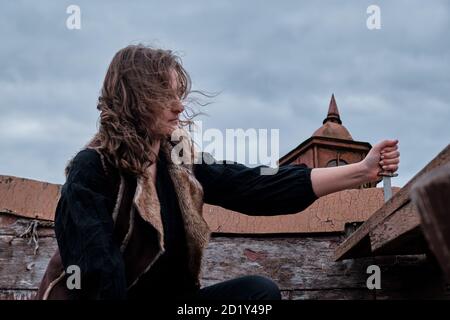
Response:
column 330, row 145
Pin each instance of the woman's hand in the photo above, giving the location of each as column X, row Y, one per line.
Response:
column 332, row 179
column 384, row 156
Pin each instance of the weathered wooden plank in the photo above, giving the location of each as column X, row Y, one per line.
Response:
column 431, row 196
column 346, row 249
column 303, row 263
column 20, row 268
column 406, row 294
column 396, row 231
column 410, row 277
column 304, row 269
column 15, row 226
column 410, row 242
column 296, row 263
column 331, row 294
column 17, row 294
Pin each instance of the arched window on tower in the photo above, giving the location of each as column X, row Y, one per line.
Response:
column 334, row 163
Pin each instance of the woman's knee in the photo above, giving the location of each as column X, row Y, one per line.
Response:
column 263, row 288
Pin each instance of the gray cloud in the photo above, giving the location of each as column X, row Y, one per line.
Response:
column 276, row 64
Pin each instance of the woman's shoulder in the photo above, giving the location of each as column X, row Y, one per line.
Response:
column 87, row 169
column 87, row 155
column 88, row 160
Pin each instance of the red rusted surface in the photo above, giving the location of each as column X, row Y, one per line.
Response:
column 34, row 199
column 28, row 198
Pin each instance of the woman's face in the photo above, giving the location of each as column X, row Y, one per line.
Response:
column 170, row 115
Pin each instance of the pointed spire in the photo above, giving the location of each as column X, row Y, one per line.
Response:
column 333, row 112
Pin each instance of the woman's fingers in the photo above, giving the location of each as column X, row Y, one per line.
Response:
column 390, row 161
column 389, row 149
column 390, row 158
column 390, row 155
column 390, row 167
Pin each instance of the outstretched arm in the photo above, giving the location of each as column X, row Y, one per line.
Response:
column 292, row 188
column 383, row 155
column 240, row 188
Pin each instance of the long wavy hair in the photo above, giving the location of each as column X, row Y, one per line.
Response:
column 135, row 91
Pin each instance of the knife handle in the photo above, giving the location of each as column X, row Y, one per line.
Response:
column 387, row 174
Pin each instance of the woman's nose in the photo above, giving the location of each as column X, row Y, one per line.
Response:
column 178, row 107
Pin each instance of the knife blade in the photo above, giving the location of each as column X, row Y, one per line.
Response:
column 387, row 187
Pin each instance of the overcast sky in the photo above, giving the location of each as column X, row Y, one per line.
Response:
column 276, row 64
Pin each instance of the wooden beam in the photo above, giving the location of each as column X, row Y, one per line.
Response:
column 431, row 196
column 400, row 233
column 350, row 248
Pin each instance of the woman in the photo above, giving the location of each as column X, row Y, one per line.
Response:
column 130, row 214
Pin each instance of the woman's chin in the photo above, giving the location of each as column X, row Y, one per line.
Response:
column 169, row 130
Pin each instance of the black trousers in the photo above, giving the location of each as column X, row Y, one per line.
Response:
column 252, row 287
